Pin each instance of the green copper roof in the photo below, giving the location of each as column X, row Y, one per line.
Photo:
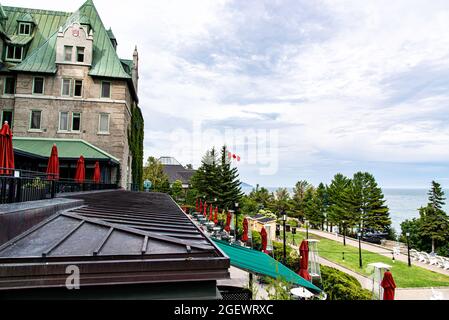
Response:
column 111, row 34
column 26, row 17
column 21, row 40
column 127, row 65
column 67, row 148
column 42, row 51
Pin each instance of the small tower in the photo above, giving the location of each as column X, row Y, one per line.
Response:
column 135, row 71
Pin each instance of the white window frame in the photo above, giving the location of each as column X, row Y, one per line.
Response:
column 24, row 24
column 110, row 90
column 84, row 54
column 73, row 113
column 62, row 87
column 71, row 54
column 43, row 86
column 68, row 122
column 13, row 59
column 74, row 87
column 99, row 123
column 31, row 121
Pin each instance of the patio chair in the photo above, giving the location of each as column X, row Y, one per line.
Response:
column 433, row 261
column 441, row 262
column 414, row 254
column 423, row 257
column 446, row 263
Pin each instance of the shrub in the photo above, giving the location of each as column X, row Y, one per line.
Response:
column 341, row 286
column 257, row 240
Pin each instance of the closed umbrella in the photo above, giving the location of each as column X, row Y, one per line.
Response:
column 388, row 285
column 263, row 234
column 53, row 164
column 304, row 261
column 211, row 213
column 245, row 230
column 200, row 209
column 6, row 149
column 97, row 173
column 228, row 222
column 216, row 215
column 80, row 174
column 205, row 209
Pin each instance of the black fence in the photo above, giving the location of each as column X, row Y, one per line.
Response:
column 34, row 186
column 235, row 293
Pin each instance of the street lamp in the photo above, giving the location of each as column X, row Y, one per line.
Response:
column 344, row 232
column 408, row 249
column 236, row 205
column 307, row 228
column 360, row 249
column 284, row 219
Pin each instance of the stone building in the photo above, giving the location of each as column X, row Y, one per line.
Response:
column 61, row 79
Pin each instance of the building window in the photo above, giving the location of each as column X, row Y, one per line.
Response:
column 80, row 54
column 7, row 115
column 10, row 85
column 38, row 85
column 76, row 121
column 63, row 121
column 78, row 90
column 66, row 84
column 68, row 53
column 24, row 29
column 104, row 123
column 35, row 120
column 105, row 89
column 14, row 53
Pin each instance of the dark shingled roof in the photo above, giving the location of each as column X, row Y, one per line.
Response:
column 178, row 172
column 118, row 237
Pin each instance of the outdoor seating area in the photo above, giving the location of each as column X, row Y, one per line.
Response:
column 431, row 259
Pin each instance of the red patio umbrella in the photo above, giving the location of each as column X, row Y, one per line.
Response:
column 216, row 215
column 97, row 173
column 53, row 164
column 304, row 261
column 205, row 209
column 80, row 174
column 211, row 213
column 228, row 222
column 389, row 286
column 6, row 149
column 245, row 230
column 200, row 209
column 263, row 234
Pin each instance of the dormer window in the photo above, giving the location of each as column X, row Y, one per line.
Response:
column 24, row 29
column 80, row 54
column 14, row 53
column 68, row 53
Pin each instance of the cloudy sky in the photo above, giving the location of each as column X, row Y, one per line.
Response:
column 331, row 85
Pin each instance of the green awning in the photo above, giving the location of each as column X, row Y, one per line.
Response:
column 261, row 263
column 69, row 149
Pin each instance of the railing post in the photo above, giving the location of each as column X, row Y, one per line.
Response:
column 11, row 194
column 19, row 190
column 53, row 189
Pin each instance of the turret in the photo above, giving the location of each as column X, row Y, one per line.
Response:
column 135, row 70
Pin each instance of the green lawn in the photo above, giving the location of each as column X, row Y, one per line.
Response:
column 405, row 276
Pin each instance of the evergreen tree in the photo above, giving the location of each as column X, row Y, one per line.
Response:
column 312, row 210
column 338, row 205
column 366, row 204
column 229, row 185
column 281, row 202
column 436, row 196
column 299, row 192
column 434, row 222
column 322, row 203
column 207, row 178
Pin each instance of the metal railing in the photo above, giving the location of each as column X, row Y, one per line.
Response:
column 34, row 186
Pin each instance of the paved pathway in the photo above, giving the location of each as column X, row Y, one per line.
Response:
column 377, row 249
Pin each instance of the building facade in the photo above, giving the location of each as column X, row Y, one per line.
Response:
column 61, row 78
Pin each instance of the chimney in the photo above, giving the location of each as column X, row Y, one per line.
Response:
column 135, row 71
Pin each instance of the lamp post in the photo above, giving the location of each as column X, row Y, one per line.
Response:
column 307, row 228
column 360, row 249
column 284, row 220
column 408, row 249
column 344, row 232
column 236, row 205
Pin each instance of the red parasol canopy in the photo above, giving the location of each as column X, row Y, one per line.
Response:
column 228, row 222
column 263, row 234
column 304, row 261
column 216, row 215
column 211, row 213
column 389, row 286
column 53, row 164
column 6, row 149
column 80, row 174
column 245, row 230
column 200, row 209
column 205, row 209
column 97, row 173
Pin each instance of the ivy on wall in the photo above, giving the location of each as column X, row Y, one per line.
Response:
column 135, row 138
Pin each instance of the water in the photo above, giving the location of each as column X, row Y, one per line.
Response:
column 403, row 203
